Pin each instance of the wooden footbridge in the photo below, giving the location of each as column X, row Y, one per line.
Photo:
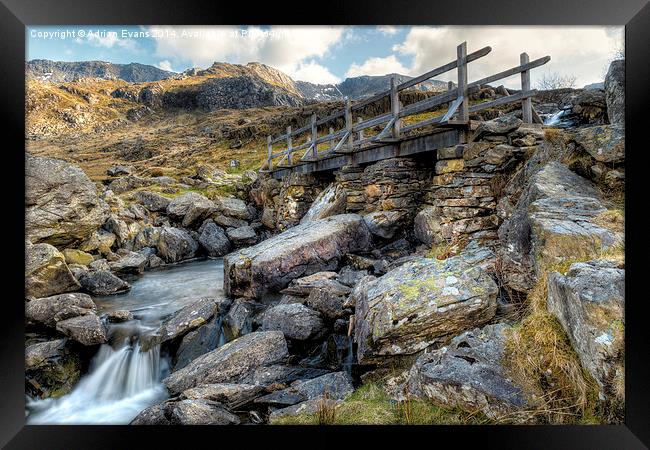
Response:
column 349, row 146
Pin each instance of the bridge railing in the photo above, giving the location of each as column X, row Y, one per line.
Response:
column 351, row 137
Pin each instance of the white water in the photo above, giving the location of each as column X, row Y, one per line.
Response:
column 122, row 380
column 555, row 118
column 322, row 204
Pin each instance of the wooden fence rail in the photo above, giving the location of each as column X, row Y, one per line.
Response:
column 351, row 137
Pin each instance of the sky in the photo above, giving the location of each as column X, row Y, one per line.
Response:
column 323, row 54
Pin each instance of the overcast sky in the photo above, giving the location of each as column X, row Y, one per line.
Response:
column 322, row 54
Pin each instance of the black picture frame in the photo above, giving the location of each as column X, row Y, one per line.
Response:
column 15, row 15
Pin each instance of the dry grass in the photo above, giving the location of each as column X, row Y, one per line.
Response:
column 326, row 412
column 542, row 360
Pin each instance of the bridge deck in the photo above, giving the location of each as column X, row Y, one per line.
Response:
column 439, row 138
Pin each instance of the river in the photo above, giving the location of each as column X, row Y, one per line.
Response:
column 121, row 380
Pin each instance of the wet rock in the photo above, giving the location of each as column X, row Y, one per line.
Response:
column 324, row 280
column 147, row 237
column 213, row 240
column 385, row 224
column 153, row 415
column 615, row 92
column 239, row 320
column 556, row 219
column 589, row 302
column 51, row 369
column 49, row 311
column 198, row 342
column 605, row 143
column 201, row 412
column 230, row 363
column 469, row 373
column 188, row 318
column 336, row 385
column 330, row 202
column 62, row 205
column 46, row 272
column 423, row 301
column 152, row 201
column 303, row 250
column 131, row 263
column 296, row 321
column 231, row 395
column 87, row 329
column 120, row 315
column 103, row 282
column 242, row 236
column 176, row 244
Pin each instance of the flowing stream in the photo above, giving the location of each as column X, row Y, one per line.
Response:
column 122, row 380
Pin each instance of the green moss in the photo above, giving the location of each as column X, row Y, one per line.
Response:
column 370, row 405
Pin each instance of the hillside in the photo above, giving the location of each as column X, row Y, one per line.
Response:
column 63, row 71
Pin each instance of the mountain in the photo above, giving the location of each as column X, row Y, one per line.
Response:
column 64, row 71
column 362, row 86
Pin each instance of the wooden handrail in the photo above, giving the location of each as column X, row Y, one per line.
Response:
column 457, row 99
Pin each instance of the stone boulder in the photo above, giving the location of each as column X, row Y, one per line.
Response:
column 153, row 415
column 279, row 373
column 328, row 303
column 336, row 385
column 426, row 225
column 130, row 263
column 423, row 302
column 469, row 373
column 213, row 240
column 304, row 285
column 500, row 125
column 233, row 207
column 87, row 329
column 302, row 250
column 231, row 395
column 46, row 272
column 589, row 302
column 605, row 143
column 190, row 208
column 74, row 256
column 48, row 311
column 101, row 241
column 615, row 92
column 295, row 320
column 176, row 244
column 385, row 224
column 199, row 341
column 186, row 319
column 230, row 363
column 330, row 202
column 201, row 412
column 51, row 369
column 103, row 282
column 556, row 219
column 62, row 205
column 152, row 201
column 242, row 236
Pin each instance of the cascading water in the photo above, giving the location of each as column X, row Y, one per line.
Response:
column 122, row 380
column 555, row 119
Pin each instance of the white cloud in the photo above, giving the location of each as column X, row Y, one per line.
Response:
column 387, row 29
column 582, row 51
column 377, row 66
column 314, row 73
column 165, row 65
column 289, row 49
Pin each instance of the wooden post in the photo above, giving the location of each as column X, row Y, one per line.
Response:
column 289, row 147
column 348, row 123
column 314, row 137
column 526, row 104
column 450, row 86
column 269, row 148
column 359, row 120
column 463, row 109
column 394, row 106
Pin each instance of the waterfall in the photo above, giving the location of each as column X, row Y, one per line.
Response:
column 120, row 383
column 555, row 118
